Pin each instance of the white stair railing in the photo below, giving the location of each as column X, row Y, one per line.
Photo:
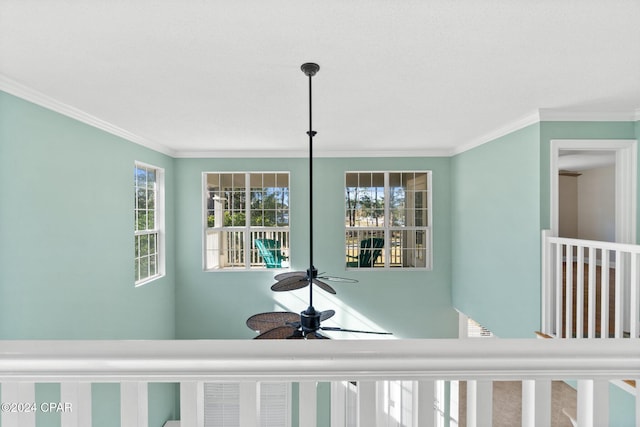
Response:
column 590, row 289
column 135, row 364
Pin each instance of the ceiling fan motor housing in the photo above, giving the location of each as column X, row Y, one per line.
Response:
column 310, row 320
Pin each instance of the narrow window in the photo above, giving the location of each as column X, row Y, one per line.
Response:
column 148, row 223
column 388, row 219
column 246, row 220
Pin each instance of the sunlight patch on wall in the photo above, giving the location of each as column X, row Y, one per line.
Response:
column 345, row 317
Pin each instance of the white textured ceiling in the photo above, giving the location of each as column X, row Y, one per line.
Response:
column 206, row 77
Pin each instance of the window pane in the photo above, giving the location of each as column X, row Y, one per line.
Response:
column 364, row 196
column 151, row 178
column 144, row 267
column 151, row 220
column 142, row 198
column 397, row 202
column 152, row 243
column 152, row 265
column 144, row 245
column 365, row 248
column 142, row 220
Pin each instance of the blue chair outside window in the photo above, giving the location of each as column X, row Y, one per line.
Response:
column 370, row 251
column 270, row 252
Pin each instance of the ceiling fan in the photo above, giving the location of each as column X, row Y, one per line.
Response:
column 307, row 324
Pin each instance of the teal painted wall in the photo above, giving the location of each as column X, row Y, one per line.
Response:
column 66, row 237
column 66, row 221
column 411, row 304
column 496, row 233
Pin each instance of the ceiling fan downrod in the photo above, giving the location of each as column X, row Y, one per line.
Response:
column 310, row 69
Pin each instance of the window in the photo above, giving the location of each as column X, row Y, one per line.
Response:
column 388, row 219
column 149, row 222
column 246, row 220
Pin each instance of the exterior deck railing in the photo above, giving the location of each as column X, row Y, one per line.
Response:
column 75, row 365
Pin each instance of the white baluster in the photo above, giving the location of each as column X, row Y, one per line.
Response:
column 134, row 404
column 634, row 303
column 568, row 323
column 14, row 394
column 591, row 302
column 338, row 404
column 593, row 403
column 479, row 403
column 619, row 306
column 78, row 396
column 547, row 280
column 558, row 288
column 426, row 398
column 249, row 404
column 308, row 404
column 604, row 295
column 536, row 403
column 580, row 294
column 367, row 404
column 192, row 403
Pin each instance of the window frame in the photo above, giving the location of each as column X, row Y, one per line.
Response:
column 387, row 229
column 159, row 224
column 245, row 229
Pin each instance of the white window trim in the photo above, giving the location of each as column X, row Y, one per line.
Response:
column 386, row 229
column 247, row 228
column 159, row 223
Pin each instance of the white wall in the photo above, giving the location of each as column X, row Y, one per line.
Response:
column 596, row 204
column 587, row 205
column 568, row 206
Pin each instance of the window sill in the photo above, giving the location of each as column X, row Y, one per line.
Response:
column 246, row 270
column 148, row 280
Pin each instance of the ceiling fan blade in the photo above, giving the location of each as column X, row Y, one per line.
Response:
column 280, row 333
column 324, row 286
column 327, row 314
column 264, row 321
column 316, row 336
column 290, row 274
column 290, row 284
column 331, row 328
column 338, row 279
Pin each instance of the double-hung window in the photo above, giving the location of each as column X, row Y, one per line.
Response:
column 148, row 222
column 246, row 216
column 388, row 219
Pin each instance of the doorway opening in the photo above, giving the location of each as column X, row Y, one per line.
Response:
column 593, row 189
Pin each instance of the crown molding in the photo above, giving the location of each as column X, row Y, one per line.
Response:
column 21, row 91
column 304, row 154
column 544, row 114
column 518, row 124
column 550, row 115
column 553, row 115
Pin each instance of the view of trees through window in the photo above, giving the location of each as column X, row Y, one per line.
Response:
column 387, row 219
column 247, row 220
column 146, row 223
